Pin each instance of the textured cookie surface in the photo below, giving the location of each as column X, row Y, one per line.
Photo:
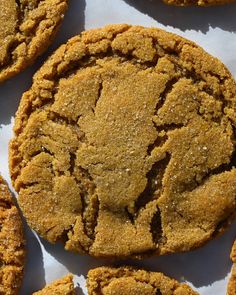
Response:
column 12, row 251
column 125, row 144
column 62, row 286
column 128, row 281
column 197, row 2
column 27, row 27
column 231, row 290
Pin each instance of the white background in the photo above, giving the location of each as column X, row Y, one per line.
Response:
column 214, row 28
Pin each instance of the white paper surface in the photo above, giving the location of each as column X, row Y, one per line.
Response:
column 214, row 28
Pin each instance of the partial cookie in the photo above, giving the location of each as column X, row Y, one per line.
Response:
column 129, row 281
column 27, row 27
column 198, row 2
column 12, row 250
column 231, row 290
column 125, row 144
column 62, row 286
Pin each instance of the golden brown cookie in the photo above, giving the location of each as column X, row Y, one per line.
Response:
column 62, row 286
column 12, row 250
column 27, row 27
column 129, row 281
column 231, row 290
column 125, row 144
column 197, row 2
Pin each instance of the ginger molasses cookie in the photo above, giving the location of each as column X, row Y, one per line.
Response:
column 231, row 290
column 27, row 27
column 12, row 251
column 62, row 286
column 197, row 2
column 125, row 144
column 129, row 281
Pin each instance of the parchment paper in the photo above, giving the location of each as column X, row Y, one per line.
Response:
column 214, row 28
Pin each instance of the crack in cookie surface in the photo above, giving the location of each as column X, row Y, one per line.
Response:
column 127, row 134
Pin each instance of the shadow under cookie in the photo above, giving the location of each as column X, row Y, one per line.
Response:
column 188, row 18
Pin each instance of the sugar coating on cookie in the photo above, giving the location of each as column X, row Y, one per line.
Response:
column 12, row 250
column 231, row 289
column 197, row 2
column 125, row 144
column 63, row 286
column 130, row 281
column 27, row 27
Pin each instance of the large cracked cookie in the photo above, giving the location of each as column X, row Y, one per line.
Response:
column 125, row 144
column 231, row 289
column 129, row 281
column 27, row 27
column 63, row 286
column 12, row 250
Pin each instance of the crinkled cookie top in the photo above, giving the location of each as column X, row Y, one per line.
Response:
column 63, row 286
column 12, row 244
column 27, row 27
column 125, row 144
column 129, row 281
